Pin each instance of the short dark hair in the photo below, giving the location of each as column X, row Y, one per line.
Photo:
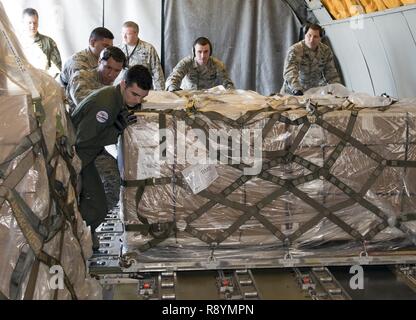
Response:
column 139, row 75
column 30, row 12
column 315, row 27
column 116, row 53
column 203, row 41
column 101, row 33
column 131, row 24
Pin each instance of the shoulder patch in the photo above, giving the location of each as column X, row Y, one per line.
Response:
column 102, row 116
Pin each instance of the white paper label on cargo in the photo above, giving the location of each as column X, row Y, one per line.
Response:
column 200, row 176
column 148, row 165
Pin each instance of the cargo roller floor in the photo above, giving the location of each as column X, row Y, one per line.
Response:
column 272, row 284
column 380, row 283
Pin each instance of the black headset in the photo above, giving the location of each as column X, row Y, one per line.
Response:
column 202, row 39
column 307, row 26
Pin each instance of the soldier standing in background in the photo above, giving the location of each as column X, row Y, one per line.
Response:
column 100, row 38
column 200, row 71
column 309, row 63
column 140, row 52
column 41, row 51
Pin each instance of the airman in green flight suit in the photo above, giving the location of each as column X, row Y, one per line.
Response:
column 99, row 120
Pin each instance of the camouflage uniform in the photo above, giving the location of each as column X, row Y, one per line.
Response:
column 51, row 58
column 83, row 60
column 81, row 84
column 197, row 77
column 305, row 68
column 145, row 54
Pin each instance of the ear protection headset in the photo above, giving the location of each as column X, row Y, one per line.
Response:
column 199, row 41
column 307, row 26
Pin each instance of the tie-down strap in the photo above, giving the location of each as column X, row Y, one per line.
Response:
column 35, row 231
column 287, row 156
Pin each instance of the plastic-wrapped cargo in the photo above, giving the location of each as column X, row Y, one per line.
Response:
column 332, row 182
column 44, row 243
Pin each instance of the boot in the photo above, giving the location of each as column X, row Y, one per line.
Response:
column 95, row 242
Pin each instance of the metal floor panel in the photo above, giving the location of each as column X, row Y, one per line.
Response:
column 380, row 284
column 197, row 286
column 277, row 284
column 280, row 284
column 191, row 286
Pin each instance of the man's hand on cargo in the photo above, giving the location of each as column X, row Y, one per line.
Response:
column 124, row 119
